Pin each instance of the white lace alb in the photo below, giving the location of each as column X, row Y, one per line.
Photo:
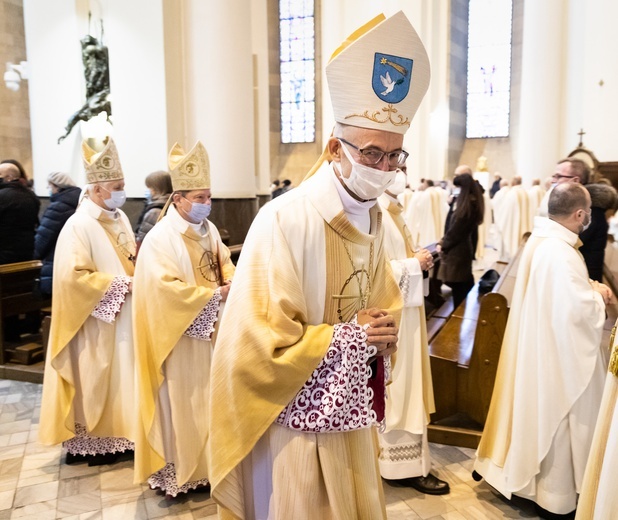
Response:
column 109, row 306
column 337, row 396
column 204, row 324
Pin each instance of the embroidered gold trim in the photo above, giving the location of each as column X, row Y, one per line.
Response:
column 390, row 110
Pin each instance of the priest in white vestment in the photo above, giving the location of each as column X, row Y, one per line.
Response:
column 550, row 376
column 182, row 278
column 598, row 499
column 88, row 389
column 536, row 194
column 513, row 218
column 404, row 451
column 314, row 300
column 567, row 170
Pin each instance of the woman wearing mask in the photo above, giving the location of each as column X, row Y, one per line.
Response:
column 158, row 190
column 456, row 247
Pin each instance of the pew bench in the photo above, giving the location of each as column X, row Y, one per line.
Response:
column 464, row 349
column 17, row 297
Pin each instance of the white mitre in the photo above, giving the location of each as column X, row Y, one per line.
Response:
column 378, row 77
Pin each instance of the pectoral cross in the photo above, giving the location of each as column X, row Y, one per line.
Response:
column 362, row 297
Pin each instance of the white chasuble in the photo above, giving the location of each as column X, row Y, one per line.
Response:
column 176, row 276
column 304, row 271
column 89, row 372
column 550, row 376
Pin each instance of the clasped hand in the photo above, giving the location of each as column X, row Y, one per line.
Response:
column 382, row 331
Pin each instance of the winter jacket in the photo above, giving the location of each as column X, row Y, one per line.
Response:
column 594, row 239
column 150, row 215
column 19, row 216
column 61, row 206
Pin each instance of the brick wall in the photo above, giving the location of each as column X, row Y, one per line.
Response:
column 15, row 140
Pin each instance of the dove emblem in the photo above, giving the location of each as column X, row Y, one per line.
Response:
column 388, row 83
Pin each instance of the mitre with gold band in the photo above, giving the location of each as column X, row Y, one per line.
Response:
column 102, row 166
column 378, row 77
column 189, row 171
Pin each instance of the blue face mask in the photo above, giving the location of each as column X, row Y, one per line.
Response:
column 148, row 196
column 198, row 211
column 116, row 200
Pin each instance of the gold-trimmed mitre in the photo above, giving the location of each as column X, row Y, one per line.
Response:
column 378, row 77
column 102, row 166
column 189, row 171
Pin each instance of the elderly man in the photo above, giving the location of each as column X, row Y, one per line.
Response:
column 404, row 450
column 181, row 279
column 88, row 390
column 550, row 377
column 19, row 216
column 314, row 300
column 567, row 170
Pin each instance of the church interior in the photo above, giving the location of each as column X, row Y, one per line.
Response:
column 247, row 79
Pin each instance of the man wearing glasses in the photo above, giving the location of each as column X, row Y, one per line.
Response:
column 567, row 170
column 303, row 353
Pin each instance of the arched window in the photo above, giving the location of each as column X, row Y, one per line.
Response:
column 297, row 57
column 489, row 68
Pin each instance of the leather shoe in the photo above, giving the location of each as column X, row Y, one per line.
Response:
column 430, row 485
column 548, row 515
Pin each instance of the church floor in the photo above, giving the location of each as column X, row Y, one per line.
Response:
column 36, row 484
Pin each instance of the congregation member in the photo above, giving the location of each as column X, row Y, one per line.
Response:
column 158, row 191
column 182, row 278
column 19, row 215
column 88, row 388
column 314, row 297
column 550, row 375
column 457, row 245
column 598, row 499
column 63, row 200
column 404, row 451
column 603, row 198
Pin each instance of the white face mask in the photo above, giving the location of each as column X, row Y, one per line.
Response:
column 117, row 199
column 366, row 182
column 456, row 191
column 399, row 184
column 588, row 222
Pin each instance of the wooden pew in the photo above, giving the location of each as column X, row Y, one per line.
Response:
column 18, row 296
column 464, row 356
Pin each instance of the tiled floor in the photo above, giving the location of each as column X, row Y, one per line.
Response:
column 36, row 484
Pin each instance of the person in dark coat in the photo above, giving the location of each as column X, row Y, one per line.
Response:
column 63, row 201
column 594, row 237
column 159, row 189
column 456, row 249
column 19, row 216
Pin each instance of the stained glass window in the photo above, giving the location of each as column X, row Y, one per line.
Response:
column 489, row 68
column 297, row 57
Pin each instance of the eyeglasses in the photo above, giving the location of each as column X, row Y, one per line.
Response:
column 373, row 156
column 557, row 176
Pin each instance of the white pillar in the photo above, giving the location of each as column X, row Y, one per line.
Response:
column 219, row 92
column 542, row 80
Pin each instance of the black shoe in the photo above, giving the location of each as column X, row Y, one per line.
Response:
column 71, row 458
column 477, row 476
column 102, row 459
column 548, row 515
column 430, row 485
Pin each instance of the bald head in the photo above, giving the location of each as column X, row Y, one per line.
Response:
column 9, row 172
column 569, row 205
column 463, row 168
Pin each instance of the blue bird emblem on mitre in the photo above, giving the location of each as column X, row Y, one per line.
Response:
column 392, row 76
